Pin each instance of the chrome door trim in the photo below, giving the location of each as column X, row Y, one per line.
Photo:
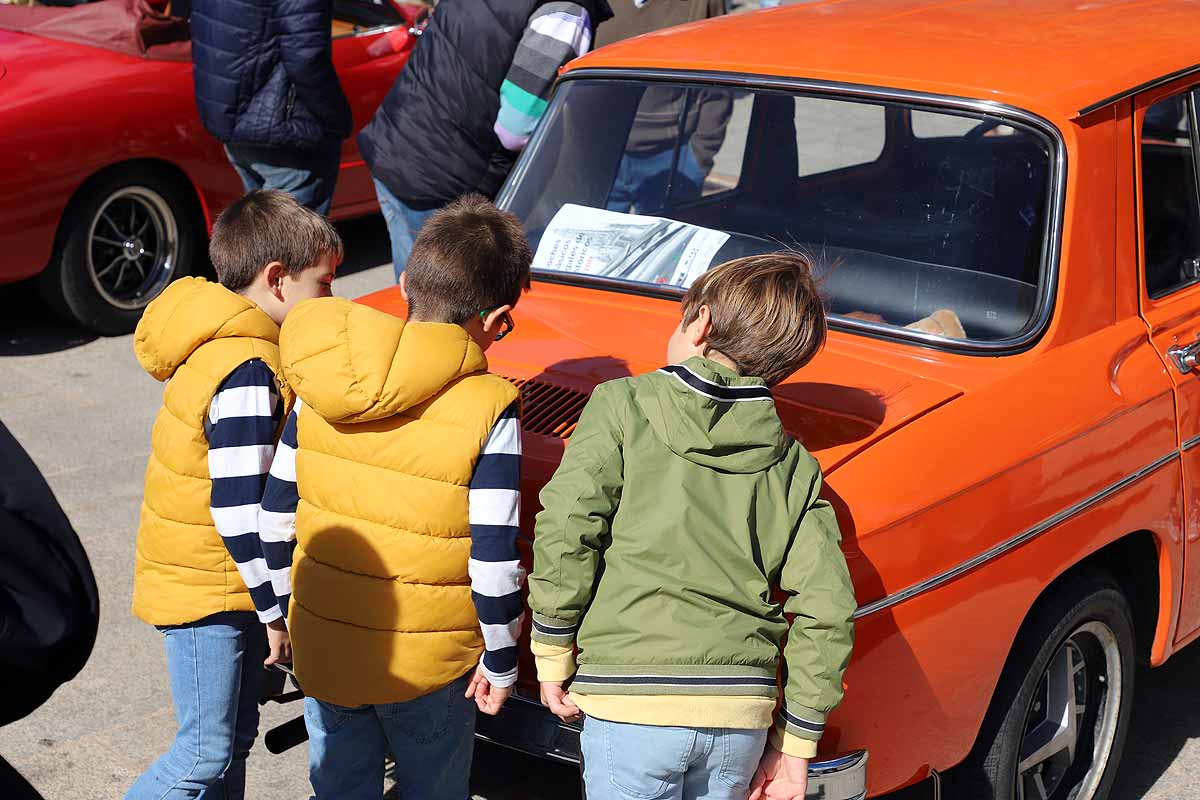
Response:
column 1188, row 444
column 1016, row 541
column 1056, row 188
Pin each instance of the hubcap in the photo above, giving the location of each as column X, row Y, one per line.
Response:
column 132, row 247
column 1072, row 720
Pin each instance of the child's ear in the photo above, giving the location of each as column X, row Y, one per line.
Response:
column 275, row 275
column 404, row 286
column 701, row 326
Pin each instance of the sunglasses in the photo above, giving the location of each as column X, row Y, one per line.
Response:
column 506, row 322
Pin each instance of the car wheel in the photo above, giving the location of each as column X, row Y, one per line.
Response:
column 1057, row 725
column 125, row 237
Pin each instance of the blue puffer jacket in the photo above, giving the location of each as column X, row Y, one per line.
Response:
column 264, row 73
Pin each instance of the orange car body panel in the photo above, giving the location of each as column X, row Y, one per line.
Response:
column 1028, row 462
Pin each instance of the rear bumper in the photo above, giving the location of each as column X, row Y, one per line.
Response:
column 526, row 726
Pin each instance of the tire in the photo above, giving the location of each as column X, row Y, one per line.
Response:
column 125, row 236
column 1079, row 640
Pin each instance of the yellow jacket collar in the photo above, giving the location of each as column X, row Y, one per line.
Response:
column 352, row 363
column 190, row 312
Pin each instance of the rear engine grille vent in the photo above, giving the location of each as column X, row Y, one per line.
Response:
column 547, row 409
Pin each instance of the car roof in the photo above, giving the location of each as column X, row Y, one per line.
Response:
column 1056, row 57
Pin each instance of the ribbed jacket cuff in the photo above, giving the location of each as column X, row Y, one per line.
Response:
column 804, row 723
column 549, row 630
column 555, row 663
column 793, row 745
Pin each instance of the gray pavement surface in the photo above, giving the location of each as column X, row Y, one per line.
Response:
column 83, row 409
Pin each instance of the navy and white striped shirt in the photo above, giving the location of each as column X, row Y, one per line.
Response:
column 243, row 417
column 494, row 501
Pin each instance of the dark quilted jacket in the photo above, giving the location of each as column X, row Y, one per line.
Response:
column 264, row 73
column 432, row 139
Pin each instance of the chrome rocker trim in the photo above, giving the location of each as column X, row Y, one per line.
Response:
column 526, row 726
column 1016, row 541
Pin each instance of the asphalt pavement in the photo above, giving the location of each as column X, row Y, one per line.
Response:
column 83, row 408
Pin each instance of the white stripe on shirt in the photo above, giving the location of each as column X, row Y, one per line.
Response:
column 240, row 401
column 240, row 462
column 496, row 578
column 233, row 521
column 494, row 506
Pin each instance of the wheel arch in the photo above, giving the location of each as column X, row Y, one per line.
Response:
column 167, row 169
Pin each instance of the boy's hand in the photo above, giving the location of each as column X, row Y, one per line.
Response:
column 559, row 702
column 489, row 699
column 779, row 777
column 280, row 642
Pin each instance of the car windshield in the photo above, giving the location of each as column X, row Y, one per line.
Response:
column 931, row 220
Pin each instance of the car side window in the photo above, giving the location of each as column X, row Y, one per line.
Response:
column 1170, row 196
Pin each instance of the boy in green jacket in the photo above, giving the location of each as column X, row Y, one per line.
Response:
column 680, row 503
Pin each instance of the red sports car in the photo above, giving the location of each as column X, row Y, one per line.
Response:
column 108, row 181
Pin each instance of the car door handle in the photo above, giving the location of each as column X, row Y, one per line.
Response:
column 1185, row 356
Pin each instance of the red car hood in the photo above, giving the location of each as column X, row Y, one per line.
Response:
column 573, row 338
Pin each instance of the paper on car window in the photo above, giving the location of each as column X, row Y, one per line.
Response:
column 593, row 241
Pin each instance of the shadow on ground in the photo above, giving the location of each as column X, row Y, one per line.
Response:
column 28, row 327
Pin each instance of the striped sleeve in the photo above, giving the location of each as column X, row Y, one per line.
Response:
column 242, row 419
column 277, row 517
column 495, row 565
column 557, row 33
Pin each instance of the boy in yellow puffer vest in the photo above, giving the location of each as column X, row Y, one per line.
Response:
column 199, row 574
column 397, row 482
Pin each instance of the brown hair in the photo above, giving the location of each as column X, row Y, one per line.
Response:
column 766, row 313
column 264, row 226
column 469, row 257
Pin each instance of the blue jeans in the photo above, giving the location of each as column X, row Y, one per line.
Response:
column 403, row 224
column 310, row 177
column 642, row 180
column 216, row 674
column 622, row 761
column 432, row 739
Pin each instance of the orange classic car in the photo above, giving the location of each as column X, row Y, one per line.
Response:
column 1001, row 198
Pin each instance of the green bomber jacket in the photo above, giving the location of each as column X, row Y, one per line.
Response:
column 680, row 506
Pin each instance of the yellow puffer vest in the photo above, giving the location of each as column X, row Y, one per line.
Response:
column 195, row 333
column 394, row 417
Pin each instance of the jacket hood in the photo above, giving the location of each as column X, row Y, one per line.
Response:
column 351, row 363
column 190, row 312
column 711, row 416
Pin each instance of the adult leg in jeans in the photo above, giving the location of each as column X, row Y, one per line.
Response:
column 206, row 661
column 310, row 177
column 346, row 747
column 433, row 739
column 403, row 224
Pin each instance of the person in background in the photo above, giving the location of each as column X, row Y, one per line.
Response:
column 199, row 574
column 466, row 102
column 659, row 147
column 267, row 89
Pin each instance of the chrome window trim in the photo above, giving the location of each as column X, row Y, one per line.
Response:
column 1016, row 541
column 1056, row 200
column 1125, row 94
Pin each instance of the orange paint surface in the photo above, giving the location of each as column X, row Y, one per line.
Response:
column 934, row 458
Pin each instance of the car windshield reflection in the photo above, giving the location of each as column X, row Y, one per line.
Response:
column 932, row 220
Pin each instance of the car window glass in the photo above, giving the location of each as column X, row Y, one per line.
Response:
column 948, row 234
column 1170, row 199
column 831, row 134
